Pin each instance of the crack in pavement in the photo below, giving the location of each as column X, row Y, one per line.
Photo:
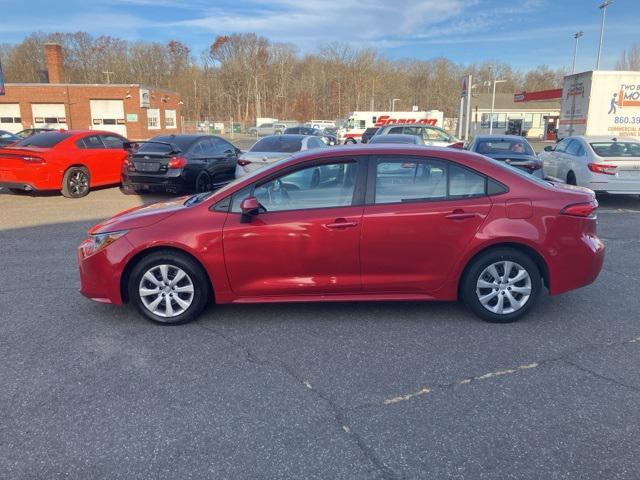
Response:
column 386, row 472
column 510, row 371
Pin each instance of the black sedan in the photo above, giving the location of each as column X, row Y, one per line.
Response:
column 7, row 138
column 326, row 138
column 179, row 164
column 368, row 134
column 511, row 149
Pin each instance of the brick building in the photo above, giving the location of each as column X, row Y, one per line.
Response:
column 135, row 111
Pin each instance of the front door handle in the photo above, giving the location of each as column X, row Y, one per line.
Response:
column 460, row 215
column 341, row 223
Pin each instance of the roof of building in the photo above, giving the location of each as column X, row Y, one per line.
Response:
column 96, row 85
column 504, row 101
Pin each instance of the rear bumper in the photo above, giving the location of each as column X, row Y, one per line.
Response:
column 26, row 186
column 614, row 184
column 165, row 183
column 577, row 265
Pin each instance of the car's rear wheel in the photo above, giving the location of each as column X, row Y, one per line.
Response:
column 169, row 288
column 501, row 285
column 349, row 140
column 75, row 183
column 203, row 182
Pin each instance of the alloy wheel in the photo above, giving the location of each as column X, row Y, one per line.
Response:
column 503, row 287
column 166, row 291
column 78, row 183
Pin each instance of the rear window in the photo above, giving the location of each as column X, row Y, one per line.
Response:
column 164, row 145
column 616, row 149
column 278, row 143
column 506, row 147
column 44, row 140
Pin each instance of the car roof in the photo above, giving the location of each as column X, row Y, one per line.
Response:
column 395, row 136
column 603, row 138
column 411, row 125
column 500, row 137
column 289, row 136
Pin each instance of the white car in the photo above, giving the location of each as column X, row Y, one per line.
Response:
column 270, row 149
column 432, row 136
column 603, row 164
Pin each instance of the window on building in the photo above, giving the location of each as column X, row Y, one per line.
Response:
column 170, row 118
column 153, row 118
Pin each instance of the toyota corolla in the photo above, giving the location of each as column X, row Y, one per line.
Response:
column 382, row 222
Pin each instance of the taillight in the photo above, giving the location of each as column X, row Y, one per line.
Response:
column 177, row 162
column 602, row 168
column 533, row 165
column 243, row 163
column 585, row 210
column 33, row 160
column 128, row 165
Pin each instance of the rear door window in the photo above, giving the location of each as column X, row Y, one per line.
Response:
column 94, row 142
column 413, row 179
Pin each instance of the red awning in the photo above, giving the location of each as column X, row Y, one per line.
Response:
column 554, row 94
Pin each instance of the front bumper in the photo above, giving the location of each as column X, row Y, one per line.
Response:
column 101, row 272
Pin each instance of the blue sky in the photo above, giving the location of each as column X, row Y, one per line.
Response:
column 524, row 33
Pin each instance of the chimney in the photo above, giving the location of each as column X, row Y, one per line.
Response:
column 55, row 67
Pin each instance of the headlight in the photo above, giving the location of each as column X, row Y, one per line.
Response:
column 97, row 242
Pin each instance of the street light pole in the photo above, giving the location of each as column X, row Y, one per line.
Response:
column 575, row 50
column 603, row 7
column 493, row 104
column 393, row 104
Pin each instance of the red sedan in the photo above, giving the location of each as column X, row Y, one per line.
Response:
column 379, row 222
column 70, row 161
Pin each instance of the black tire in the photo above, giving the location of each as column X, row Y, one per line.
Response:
column 469, row 289
column 196, row 275
column 76, row 182
column 202, row 183
column 571, row 178
column 349, row 140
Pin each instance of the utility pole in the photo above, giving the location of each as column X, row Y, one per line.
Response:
column 493, row 104
column 577, row 35
column 108, row 73
column 603, row 8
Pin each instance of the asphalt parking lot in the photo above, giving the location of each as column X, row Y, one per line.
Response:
column 326, row 391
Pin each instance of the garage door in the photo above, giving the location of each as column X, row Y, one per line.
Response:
column 108, row 115
column 49, row 115
column 10, row 117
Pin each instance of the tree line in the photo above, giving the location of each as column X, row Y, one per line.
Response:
column 242, row 76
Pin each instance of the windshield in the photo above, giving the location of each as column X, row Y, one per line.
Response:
column 616, row 149
column 277, row 144
column 43, row 140
column 503, row 146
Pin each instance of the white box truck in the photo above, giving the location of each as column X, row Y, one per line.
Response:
column 357, row 122
column 600, row 103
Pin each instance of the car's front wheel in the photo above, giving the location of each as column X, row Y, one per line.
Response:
column 169, row 288
column 501, row 285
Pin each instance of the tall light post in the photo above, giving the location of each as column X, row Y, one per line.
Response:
column 493, row 104
column 577, row 35
column 603, row 8
column 393, row 104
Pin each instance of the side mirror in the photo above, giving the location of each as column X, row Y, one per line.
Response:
column 549, row 148
column 250, row 207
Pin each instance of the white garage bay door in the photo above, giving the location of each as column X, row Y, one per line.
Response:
column 10, row 120
column 108, row 115
column 49, row 115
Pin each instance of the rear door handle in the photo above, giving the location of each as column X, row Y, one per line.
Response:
column 460, row 215
column 341, row 223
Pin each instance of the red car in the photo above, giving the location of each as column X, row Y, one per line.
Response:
column 71, row 161
column 381, row 222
